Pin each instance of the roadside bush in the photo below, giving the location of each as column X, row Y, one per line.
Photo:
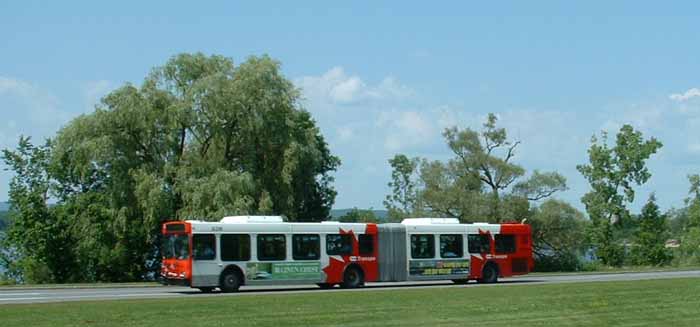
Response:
column 690, row 247
column 565, row 261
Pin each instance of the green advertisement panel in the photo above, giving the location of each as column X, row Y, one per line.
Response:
column 438, row 267
column 283, row 271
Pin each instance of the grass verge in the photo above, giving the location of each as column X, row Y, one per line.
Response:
column 671, row 302
column 617, row 270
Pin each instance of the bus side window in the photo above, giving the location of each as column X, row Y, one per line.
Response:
column 479, row 243
column 235, row 247
column 422, row 246
column 338, row 244
column 271, row 247
column 204, row 246
column 451, row 246
column 306, row 247
column 366, row 244
column 505, row 243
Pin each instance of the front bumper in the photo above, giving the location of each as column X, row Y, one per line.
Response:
column 174, row 281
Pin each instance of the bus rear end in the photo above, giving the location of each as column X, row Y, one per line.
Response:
column 176, row 266
column 519, row 259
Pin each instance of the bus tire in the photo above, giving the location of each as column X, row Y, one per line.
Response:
column 353, row 277
column 230, row 281
column 325, row 286
column 489, row 274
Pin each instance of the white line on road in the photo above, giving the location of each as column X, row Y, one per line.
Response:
column 18, row 294
column 96, row 296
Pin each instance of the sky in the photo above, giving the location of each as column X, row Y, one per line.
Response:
column 382, row 78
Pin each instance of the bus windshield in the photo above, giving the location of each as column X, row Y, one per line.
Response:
column 175, row 246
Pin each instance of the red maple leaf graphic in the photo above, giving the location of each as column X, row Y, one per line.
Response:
column 334, row 270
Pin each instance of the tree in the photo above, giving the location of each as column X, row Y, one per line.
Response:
column 480, row 183
column 650, row 242
column 401, row 203
column 4, row 217
column 612, row 174
column 693, row 201
column 477, row 155
column 37, row 245
column 200, row 138
column 359, row 216
column 447, row 192
column 677, row 221
column 558, row 232
column 690, row 240
column 694, row 191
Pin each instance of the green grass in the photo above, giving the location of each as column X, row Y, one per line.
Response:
column 670, row 302
column 618, row 270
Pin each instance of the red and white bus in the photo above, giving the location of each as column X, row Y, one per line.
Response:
column 264, row 250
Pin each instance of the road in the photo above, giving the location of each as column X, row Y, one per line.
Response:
column 36, row 295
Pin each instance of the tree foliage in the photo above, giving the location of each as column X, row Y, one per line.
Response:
column 4, row 219
column 650, row 240
column 401, row 203
column 356, row 215
column 690, row 240
column 612, row 173
column 558, row 232
column 481, row 182
column 200, row 138
column 37, row 243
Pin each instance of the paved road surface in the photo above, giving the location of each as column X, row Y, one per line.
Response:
column 14, row 296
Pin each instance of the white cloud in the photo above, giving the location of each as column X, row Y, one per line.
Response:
column 694, row 148
column 28, row 110
column 408, row 129
column 411, row 121
column 390, row 88
column 10, row 85
column 337, row 87
column 687, row 95
column 347, row 90
column 29, row 106
column 345, row 133
column 94, row 91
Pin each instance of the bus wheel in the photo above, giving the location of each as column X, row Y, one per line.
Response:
column 460, row 281
column 206, row 289
column 325, row 286
column 489, row 274
column 230, row 281
column 353, row 278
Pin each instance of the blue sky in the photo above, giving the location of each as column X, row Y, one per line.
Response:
column 387, row 78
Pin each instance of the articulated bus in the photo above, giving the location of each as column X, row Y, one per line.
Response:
column 264, row 250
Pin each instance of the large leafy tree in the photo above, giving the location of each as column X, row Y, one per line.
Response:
column 612, row 173
column 558, row 232
column 200, row 138
column 487, row 157
column 480, row 182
